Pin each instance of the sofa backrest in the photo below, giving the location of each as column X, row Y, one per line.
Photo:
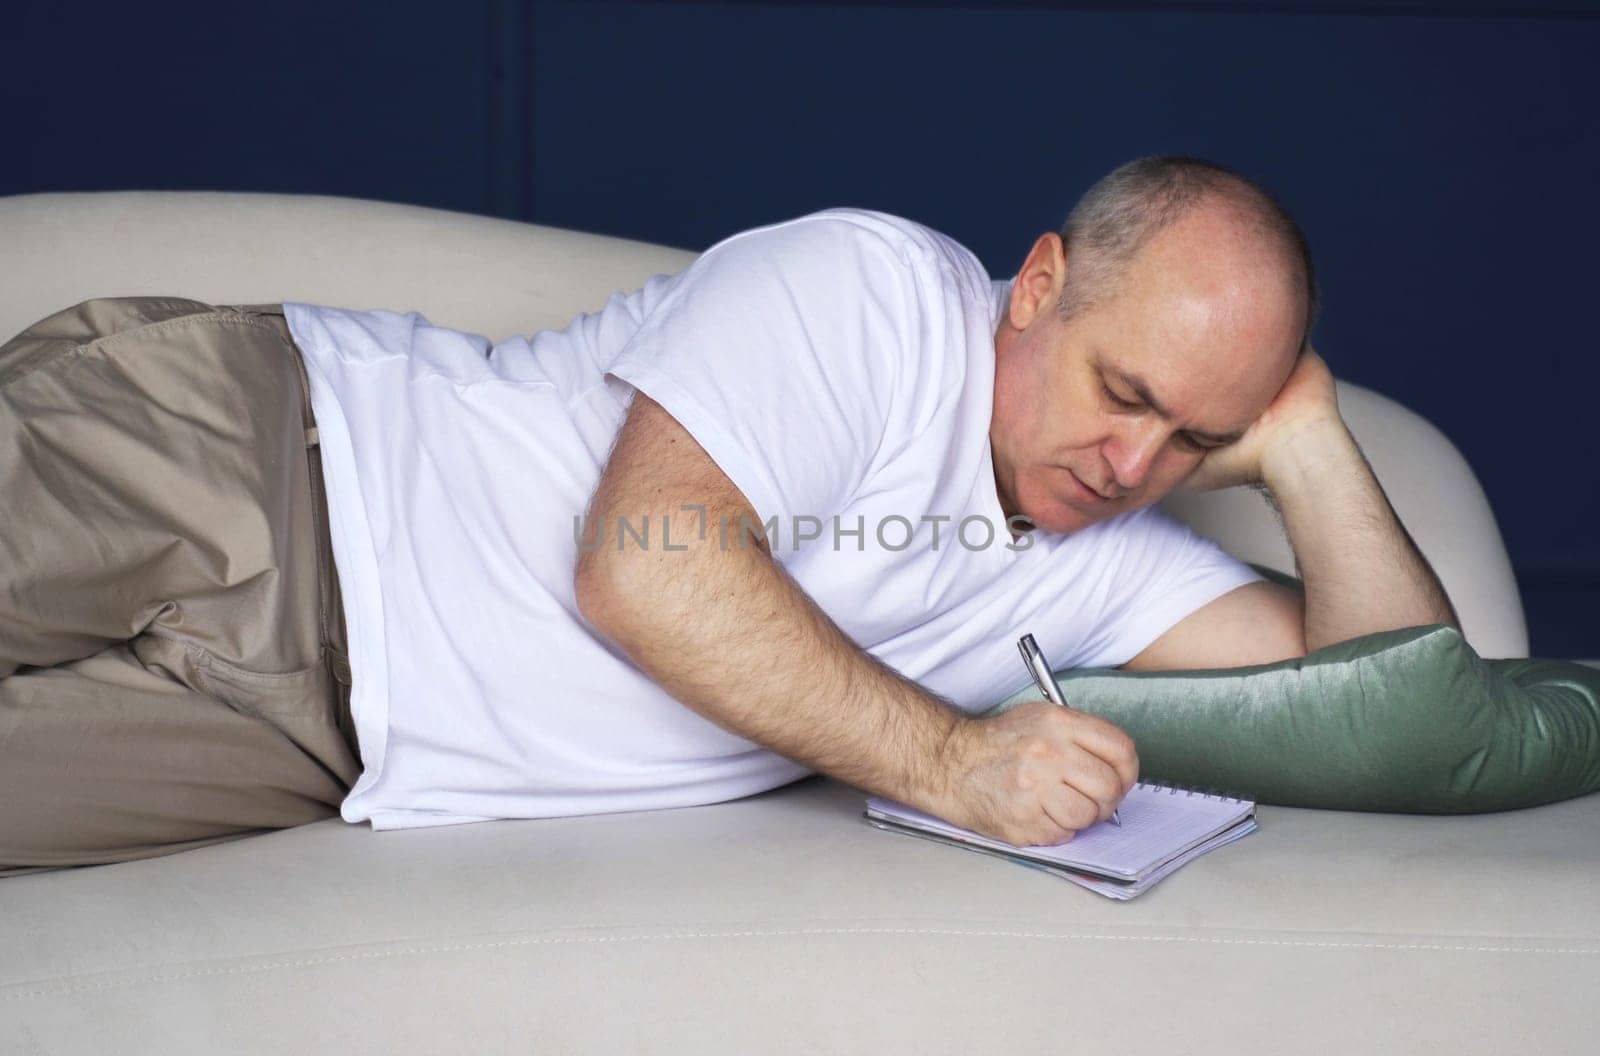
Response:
column 499, row 277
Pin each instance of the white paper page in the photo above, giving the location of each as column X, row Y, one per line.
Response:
column 1157, row 824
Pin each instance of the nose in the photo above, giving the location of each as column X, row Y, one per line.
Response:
column 1133, row 450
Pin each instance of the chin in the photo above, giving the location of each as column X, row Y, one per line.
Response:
column 1060, row 519
column 1059, row 516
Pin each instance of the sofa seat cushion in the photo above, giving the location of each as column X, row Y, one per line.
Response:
column 786, row 923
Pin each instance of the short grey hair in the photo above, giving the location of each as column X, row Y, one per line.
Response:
column 1126, row 207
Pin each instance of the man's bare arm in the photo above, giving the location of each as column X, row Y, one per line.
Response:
column 1362, row 571
column 729, row 634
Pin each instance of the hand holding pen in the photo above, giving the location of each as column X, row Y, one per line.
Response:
column 1045, row 678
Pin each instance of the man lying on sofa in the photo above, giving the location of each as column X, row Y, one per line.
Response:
column 1166, row 343
column 785, row 511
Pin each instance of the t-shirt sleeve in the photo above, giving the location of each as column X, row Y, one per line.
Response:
column 791, row 353
column 1163, row 571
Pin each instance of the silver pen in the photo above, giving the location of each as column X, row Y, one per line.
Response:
column 1045, row 677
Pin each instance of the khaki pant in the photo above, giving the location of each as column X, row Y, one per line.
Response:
column 173, row 661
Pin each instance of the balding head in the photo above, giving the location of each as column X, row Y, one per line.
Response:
column 1121, row 213
column 1159, row 326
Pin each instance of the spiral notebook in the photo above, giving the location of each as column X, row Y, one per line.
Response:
column 1164, row 828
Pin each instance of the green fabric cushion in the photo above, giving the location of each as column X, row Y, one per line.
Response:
column 1409, row 720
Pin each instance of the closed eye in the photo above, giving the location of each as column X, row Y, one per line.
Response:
column 1114, row 398
column 1188, row 441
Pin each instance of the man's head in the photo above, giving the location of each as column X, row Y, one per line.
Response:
column 1175, row 281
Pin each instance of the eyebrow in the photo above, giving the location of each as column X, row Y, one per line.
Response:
column 1138, row 385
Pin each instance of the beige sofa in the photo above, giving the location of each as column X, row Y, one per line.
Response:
column 783, row 922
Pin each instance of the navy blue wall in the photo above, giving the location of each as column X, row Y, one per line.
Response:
column 1444, row 159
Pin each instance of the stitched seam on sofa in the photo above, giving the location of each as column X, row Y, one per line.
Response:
column 567, row 940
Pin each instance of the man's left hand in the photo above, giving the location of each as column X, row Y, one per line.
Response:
column 1308, row 398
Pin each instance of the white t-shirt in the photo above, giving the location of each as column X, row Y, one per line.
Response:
column 836, row 365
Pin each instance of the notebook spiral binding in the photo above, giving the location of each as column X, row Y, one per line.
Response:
column 1222, row 795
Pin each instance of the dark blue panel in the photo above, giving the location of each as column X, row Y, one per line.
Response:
column 1444, row 168
column 1489, row 8
column 373, row 101
column 1563, row 607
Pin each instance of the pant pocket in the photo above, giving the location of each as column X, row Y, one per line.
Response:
column 305, row 706
column 307, row 691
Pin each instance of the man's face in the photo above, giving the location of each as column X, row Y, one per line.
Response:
column 1206, row 323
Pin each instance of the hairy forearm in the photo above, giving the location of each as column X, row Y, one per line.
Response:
column 1362, row 571
column 730, row 635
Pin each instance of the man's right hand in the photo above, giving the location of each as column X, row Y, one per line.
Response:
column 1035, row 774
